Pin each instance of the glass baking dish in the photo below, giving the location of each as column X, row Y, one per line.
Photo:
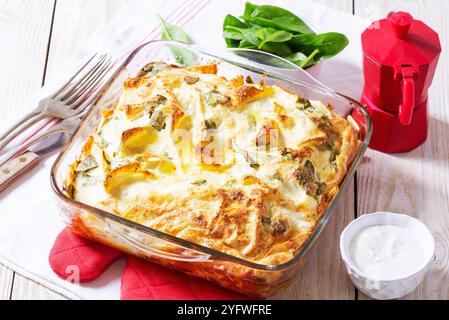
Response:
column 231, row 272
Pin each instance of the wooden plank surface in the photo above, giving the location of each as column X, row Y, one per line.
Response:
column 25, row 289
column 73, row 24
column 74, row 21
column 417, row 183
column 66, row 38
column 24, row 30
column 6, row 279
column 400, row 183
column 323, row 275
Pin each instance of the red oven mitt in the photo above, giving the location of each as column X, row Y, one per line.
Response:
column 141, row 279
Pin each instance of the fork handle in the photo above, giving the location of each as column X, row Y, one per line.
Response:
column 13, row 170
column 23, row 124
column 23, row 147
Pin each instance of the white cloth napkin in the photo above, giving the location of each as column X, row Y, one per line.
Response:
column 29, row 220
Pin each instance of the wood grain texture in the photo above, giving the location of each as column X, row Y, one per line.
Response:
column 323, row 275
column 15, row 169
column 24, row 30
column 417, row 183
column 25, row 289
column 74, row 22
column 6, row 279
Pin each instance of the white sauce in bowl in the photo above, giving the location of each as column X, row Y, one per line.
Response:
column 387, row 252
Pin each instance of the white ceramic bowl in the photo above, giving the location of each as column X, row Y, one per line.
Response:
column 390, row 289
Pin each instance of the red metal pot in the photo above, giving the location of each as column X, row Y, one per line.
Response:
column 400, row 55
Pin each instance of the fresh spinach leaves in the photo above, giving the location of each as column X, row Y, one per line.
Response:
column 328, row 44
column 275, row 17
column 183, row 56
column 272, row 35
column 232, row 38
column 278, row 31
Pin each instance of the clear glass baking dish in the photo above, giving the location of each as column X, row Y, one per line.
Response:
column 231, row 272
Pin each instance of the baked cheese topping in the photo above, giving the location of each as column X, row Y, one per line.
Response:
column 243, row 168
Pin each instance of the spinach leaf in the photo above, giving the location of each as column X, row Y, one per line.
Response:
column 183, row 56
column 250, row 39
column 272, row 35
column 329, row 44
column 277, row 48
column 249, row 8
column 248, row 34
column 246, row 45
column 275, row 17
column 233, row 35
column 232, row 38
column 276, row 30
column 310, row 61
column 297, row 58
column 302, row 60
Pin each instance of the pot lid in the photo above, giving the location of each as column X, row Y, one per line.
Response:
column 400, row 39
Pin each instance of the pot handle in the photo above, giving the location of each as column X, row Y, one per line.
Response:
column 153, row 246
column 408, row 101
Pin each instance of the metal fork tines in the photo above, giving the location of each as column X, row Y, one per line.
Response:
column 70, row 100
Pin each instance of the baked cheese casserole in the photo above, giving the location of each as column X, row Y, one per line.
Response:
column 240, row 167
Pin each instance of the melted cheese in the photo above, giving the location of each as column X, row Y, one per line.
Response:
column 242, row 168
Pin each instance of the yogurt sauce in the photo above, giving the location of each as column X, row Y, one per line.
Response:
column 387, row 252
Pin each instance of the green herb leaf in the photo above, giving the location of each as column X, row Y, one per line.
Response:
column 306, row 176
column 310, row 59
column 278, row 48
column 233, row 38
column 297, row 58
column 303, row 104
column 214, row 97
column 87, row 164
column 183, row 56
column 210, row 124
column 200, row 182
column 278, row 31
column 88, row 181
column 329, row 44
column 249, row 9
column 275, row 17
column 246, row 45
column 233, row 35
column 248, row 34
column 158, row 121
column 272, row 35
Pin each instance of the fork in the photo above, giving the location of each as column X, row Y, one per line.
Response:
column 66, row 127
column 70, row 100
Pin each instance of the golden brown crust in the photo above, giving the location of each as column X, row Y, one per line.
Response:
column 239, row 199
column 205, row 69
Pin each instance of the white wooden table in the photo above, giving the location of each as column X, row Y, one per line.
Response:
column 36, row 39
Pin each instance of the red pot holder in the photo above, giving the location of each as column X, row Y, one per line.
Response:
column 141, row 279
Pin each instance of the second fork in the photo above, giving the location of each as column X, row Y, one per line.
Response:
column 70, row 100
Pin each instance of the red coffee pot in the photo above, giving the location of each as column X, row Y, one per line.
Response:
column 400, row 55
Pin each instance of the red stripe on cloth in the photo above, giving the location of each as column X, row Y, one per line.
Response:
column 198, row 10
column 192, row 14
column 175, row 17
column 171, row 17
